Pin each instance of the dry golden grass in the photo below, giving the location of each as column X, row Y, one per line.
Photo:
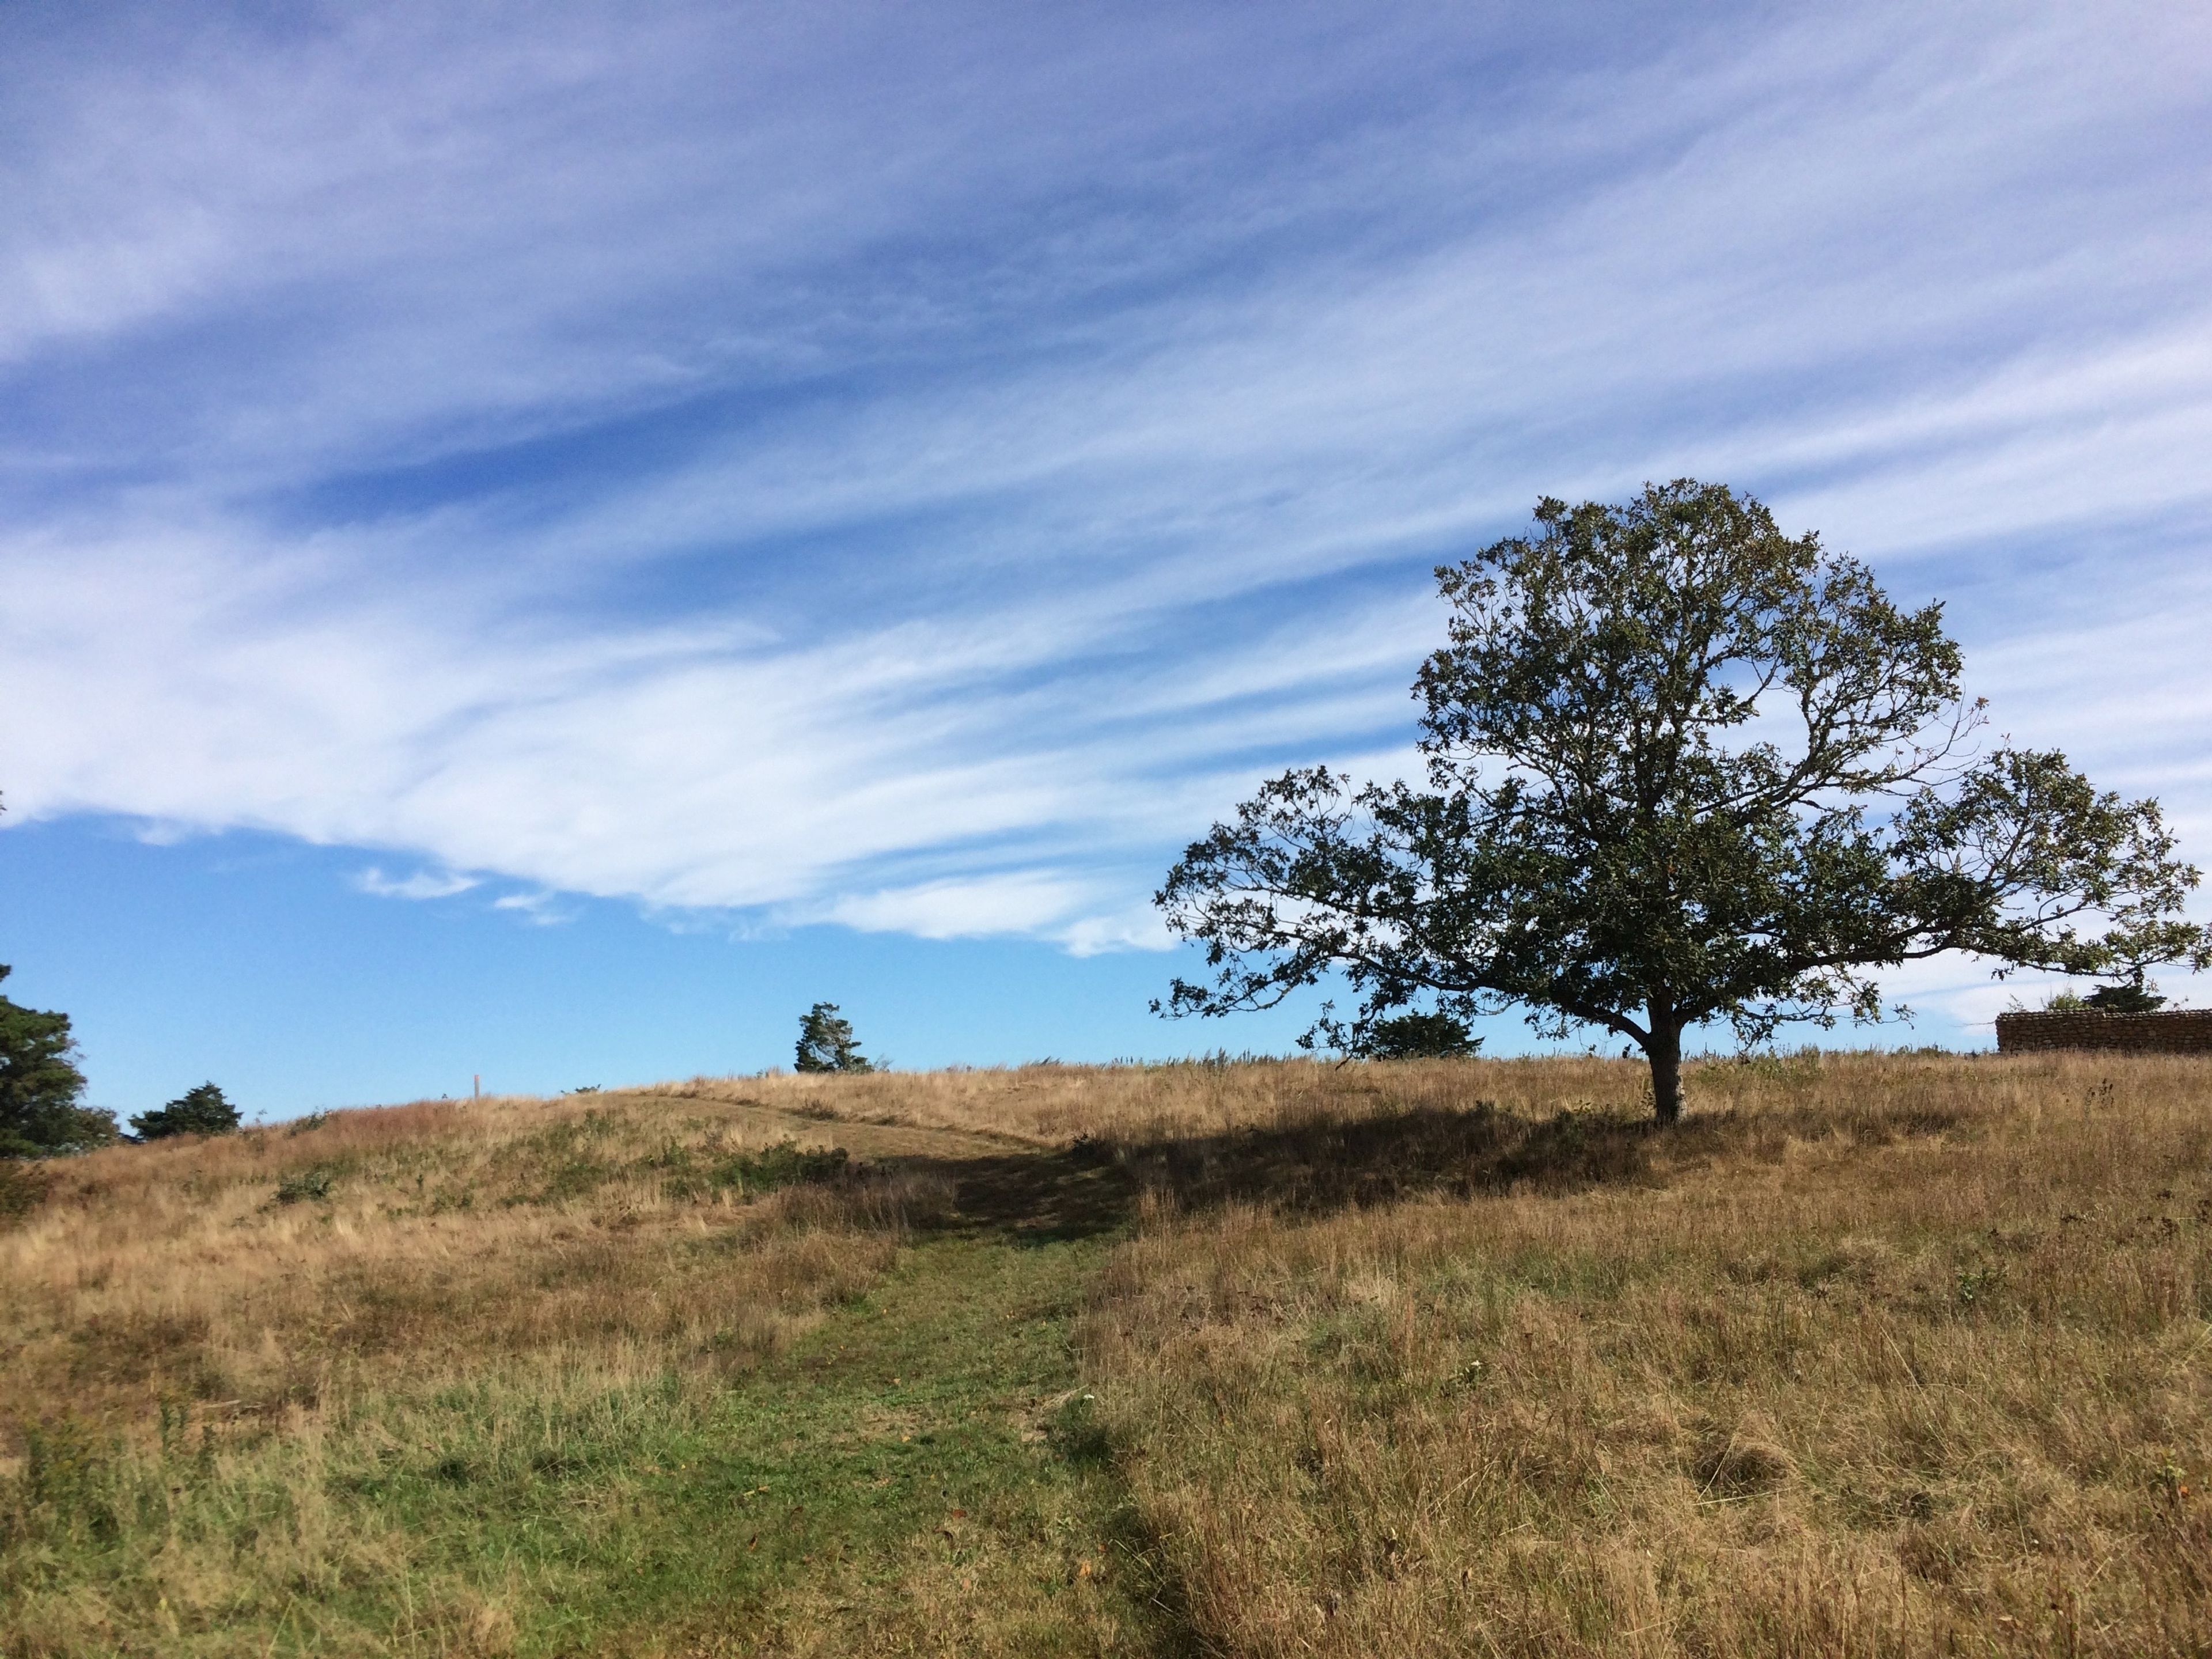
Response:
column 208, row 1341
column 1878, row 1355
column 1053, row 1105
column 262, row 1268
column 1874, row 1356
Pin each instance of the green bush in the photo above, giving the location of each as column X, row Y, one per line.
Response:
column 301, row 1185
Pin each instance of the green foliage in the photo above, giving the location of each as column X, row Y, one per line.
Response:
column 1681, row 768
column 201, row 1110
column 302, row 1186
column 1418, row 1036
column 785, row 1164
column 826, row 1042
column 2132, row 995
column 39, row 1087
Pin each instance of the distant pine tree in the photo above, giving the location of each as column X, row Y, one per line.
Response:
column 1418, row 1036
column 826, row 1042
column 2133, row 995
column 197, row 1111
column 39, row 1085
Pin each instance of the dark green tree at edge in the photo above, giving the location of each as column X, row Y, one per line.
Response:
column 1680, row 767
column 40, row 1086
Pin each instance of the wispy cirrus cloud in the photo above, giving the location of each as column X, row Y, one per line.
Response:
column 913, row 473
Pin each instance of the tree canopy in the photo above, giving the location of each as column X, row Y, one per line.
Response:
column 826, row 1042
column 1680, row 767
column 200, row 1111
column 40, row 1086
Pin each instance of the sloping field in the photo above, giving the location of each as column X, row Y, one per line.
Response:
column 1868, row 1355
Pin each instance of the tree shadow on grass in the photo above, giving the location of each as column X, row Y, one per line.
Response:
column 1323, row 1163
column 1036, row 1198
column 1311, row 1166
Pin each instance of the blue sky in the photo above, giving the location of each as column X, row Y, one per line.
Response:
column 538, row 541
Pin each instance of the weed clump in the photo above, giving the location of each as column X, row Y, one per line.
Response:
column 743, row 1175
column 304, row 1186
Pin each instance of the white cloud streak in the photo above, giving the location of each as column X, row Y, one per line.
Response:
column 913, row 477
column 422, row 884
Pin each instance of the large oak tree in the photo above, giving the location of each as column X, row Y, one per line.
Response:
column 1680, row 767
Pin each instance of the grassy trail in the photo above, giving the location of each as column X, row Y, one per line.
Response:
column 917, row 1476
column 914, row 1472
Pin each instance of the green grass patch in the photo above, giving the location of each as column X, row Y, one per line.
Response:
column 918, row 1470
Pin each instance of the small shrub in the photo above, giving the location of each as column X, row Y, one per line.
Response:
column 313, row 1182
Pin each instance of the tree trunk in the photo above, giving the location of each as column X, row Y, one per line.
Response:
column 1665, row 1051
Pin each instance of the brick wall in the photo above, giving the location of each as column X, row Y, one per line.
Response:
column 2182, row 1031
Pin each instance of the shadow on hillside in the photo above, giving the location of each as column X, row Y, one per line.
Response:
column 1037, row 1197
column 1314, row 1167
column 1324, row 1165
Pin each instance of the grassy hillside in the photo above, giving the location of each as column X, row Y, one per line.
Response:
column 1872, row 1355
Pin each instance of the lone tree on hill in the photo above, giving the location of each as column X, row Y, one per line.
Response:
column 197, row 1111
column 826, row 1042
column 1680, row 767
column 39, row 1087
